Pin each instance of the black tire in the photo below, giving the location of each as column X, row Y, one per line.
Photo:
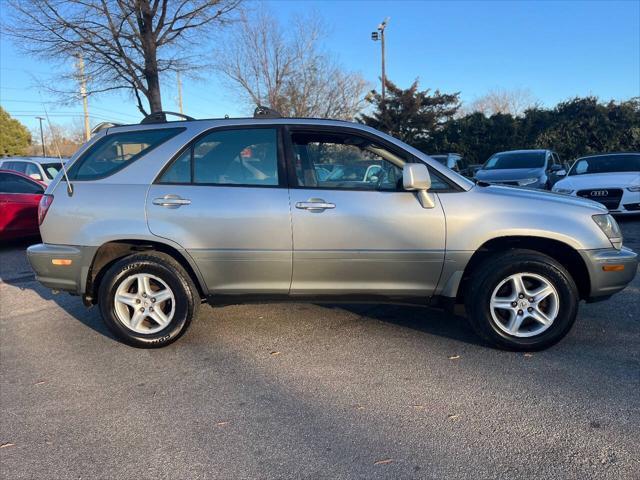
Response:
column 488, row 276
column 170, row 272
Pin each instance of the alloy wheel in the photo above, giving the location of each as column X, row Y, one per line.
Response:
column 144, row 303
column 524, row 305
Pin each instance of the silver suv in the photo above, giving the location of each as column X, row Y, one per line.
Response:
column 156, row 218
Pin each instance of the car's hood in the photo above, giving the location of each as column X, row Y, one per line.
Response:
column 599, row 180
column 507, row 174
column 544, row 196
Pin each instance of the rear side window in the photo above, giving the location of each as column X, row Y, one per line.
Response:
column 240, row 157
column 15, row 184
column 116, row 151
column 15, row 166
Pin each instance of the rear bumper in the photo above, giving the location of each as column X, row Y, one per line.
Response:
column 606, row 283
column 71, row 278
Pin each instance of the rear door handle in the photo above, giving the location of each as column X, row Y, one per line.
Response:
column 171, row 201
column 315, row 205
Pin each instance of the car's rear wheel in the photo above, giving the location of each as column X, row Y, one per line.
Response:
column 147, row 300
column 522, row 300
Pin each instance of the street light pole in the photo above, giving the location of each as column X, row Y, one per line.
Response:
column 179, row 92
column 83, row 94
column 379, row 35
column 44, row 154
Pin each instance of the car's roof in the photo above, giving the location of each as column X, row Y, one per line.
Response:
column 240, row 121
column 537, row 150
column 612, row 154
column 34, row 159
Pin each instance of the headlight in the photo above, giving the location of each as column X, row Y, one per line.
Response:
column 566, row 191
column 634, row 188
column 610, row 228
column 527, row 181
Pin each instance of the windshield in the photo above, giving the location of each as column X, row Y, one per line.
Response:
column 51, row 169
column 606, row 164
column 515, row 160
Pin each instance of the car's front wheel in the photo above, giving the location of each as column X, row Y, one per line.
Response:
column 522, row 300
column 147, row 300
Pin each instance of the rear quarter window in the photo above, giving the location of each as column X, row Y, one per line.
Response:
column 114, row 152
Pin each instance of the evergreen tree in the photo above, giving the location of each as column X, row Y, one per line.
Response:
column 411, row 115
column 14, row 136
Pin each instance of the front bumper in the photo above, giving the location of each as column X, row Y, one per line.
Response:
column 606, row 283
column 71, row 278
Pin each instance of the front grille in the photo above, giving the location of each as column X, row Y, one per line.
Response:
column 632, row 207
column 609, row 197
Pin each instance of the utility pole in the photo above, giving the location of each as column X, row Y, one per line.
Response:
column 179, row 92
column 83, row 94
column 379, row 35
column 44, row 153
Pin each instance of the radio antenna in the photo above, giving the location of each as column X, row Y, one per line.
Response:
column 55, row 143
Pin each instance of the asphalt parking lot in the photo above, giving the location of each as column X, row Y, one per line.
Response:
column 311, row 391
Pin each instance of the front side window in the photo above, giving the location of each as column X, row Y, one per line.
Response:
column 14, row 184
column 345, row 161
column 247, row 157
column 33, row 171
column 114, row 152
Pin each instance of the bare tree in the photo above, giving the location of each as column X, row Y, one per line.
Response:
column 126, row 44
column 285, row 69
column 514, row 102
column 63, row 139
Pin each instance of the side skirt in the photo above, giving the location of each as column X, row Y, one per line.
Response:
column 218, row 300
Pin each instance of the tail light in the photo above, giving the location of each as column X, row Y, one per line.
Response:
column 43, row 207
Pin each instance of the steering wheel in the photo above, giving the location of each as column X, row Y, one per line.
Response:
column 383, row 176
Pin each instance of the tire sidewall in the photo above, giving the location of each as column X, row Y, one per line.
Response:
column 556, row 275
column 184, row 304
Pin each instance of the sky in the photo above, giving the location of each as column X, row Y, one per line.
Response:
column 554, row 49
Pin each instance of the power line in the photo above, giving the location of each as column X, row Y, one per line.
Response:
column 124, row 114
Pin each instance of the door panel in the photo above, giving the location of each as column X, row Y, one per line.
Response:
column 240, row 237
column 369, row 242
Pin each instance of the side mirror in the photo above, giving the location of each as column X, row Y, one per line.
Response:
column 415, row 176
column 35, row 176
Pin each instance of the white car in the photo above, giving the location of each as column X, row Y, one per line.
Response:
column 43, row 169
column 612, row 179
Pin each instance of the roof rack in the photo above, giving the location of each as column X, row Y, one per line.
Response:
column 161, row 117
column 265, row 112
column 103, row 126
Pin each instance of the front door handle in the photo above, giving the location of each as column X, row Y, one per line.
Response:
column 315, row 205
column 171, row 201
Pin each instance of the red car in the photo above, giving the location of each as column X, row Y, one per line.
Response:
column 19, row 199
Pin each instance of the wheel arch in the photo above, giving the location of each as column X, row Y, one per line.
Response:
column 110, row 252
column 563, row 253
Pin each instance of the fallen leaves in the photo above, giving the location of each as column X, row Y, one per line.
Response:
column 418, row 407
column 274, row 353
column 6, row 445
column 386, row 461
column 454, row 357
column 222, row 424
column 528, row 355
column 453, row 417
column 41, row 382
